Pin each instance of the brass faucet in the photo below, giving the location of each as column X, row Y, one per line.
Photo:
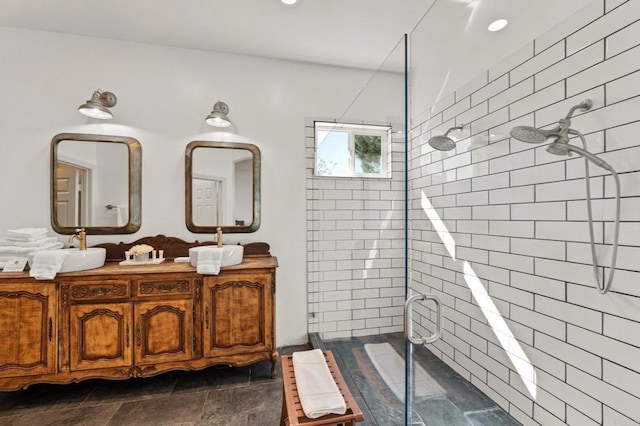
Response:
column 81, row 236
column 219, row 236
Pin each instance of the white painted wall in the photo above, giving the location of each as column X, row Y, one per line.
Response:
column 523, row 320
column 164, row 95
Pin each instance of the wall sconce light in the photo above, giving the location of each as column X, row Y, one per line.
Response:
column 218, row 117
column 99, row 104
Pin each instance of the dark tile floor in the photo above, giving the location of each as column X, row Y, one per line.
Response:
column 245, row 396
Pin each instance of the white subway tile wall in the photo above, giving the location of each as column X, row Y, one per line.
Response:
column 517, row 215
column 355, row 260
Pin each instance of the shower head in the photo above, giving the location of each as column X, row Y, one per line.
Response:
column 535, row 135
column 444, row 142
column 532, row 134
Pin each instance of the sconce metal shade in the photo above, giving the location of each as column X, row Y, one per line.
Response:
column 99, row 104
column 218, row 117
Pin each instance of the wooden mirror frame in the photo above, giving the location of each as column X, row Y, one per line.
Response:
column 203, row 229
column 135, row 183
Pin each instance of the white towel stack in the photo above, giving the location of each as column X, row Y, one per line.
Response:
column 209, row 260
column 46, row 264
column 19, row 243
column 319, row 394
column 26, row 234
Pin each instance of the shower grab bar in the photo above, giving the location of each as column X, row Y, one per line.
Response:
column 408, row 319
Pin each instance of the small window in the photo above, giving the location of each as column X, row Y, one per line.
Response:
column 347, row 150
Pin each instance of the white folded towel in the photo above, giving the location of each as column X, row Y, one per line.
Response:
column 319, row 394
column 26, row 234
column 5, row 257
column 209, row 260
column 46, row 264
column 9, row 250
column 4, row 242
column 37, row 243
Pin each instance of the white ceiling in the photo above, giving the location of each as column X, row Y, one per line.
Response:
column 352, row 33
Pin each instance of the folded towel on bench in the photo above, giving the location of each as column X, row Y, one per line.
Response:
column 318, row 392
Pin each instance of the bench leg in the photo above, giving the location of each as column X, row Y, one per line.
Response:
column 283, row 414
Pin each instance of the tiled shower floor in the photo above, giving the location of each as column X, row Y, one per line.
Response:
column 461, row 403
column 244, row 396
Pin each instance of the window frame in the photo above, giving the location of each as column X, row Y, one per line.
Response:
column 384, row 131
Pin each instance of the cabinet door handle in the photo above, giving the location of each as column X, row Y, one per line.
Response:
column 165, row 288
column 206, row 317
column 128, row 336
column 138, row 335
column 50, row 329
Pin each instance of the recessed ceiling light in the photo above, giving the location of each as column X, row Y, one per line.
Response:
column 289, row 2
column 496, row 25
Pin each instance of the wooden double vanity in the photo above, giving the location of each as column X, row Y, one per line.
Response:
column 118, row 322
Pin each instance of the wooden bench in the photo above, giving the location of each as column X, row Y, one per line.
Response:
column 292, row 413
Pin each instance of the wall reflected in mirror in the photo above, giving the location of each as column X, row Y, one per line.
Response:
column 222, row 185
column 95, row 183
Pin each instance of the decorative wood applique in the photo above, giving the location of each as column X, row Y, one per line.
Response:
column 174, row 247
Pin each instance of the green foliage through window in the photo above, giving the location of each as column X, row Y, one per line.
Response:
column 368, row 150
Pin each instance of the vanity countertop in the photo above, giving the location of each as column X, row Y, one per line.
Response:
column 111, row 268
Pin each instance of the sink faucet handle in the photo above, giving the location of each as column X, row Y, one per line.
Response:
column 219, row 236
column 81, row 236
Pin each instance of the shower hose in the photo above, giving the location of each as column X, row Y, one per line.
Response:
column 603, row 287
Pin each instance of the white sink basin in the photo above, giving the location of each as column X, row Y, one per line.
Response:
column 231, row 254
column 81, row 260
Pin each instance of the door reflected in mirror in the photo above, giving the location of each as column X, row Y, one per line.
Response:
column 95, row 184
column 222, row 187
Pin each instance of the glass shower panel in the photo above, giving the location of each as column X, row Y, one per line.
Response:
column 376, row 355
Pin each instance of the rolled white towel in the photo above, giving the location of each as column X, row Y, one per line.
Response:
column 46, row 264
column 209, row 260
column 26, row 234
column 318, row 392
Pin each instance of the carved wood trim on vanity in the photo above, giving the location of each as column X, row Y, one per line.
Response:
column 174, row 247
column 117, row 322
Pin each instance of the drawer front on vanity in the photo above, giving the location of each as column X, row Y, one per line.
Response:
column 151, row 287
column 99, row 290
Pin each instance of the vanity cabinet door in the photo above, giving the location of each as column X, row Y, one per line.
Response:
column 27, row 335
column 100, row 335
column 237, row 315
column 163, row 331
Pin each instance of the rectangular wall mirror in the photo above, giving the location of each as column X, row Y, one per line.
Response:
column 222, row 187
column 95, row 184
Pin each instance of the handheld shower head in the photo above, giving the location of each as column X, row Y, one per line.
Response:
column 561, row 148
column 444, row 142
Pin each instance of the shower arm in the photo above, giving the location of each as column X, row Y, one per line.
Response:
column 460, row 127
column 584, row 106
column 562, row 128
